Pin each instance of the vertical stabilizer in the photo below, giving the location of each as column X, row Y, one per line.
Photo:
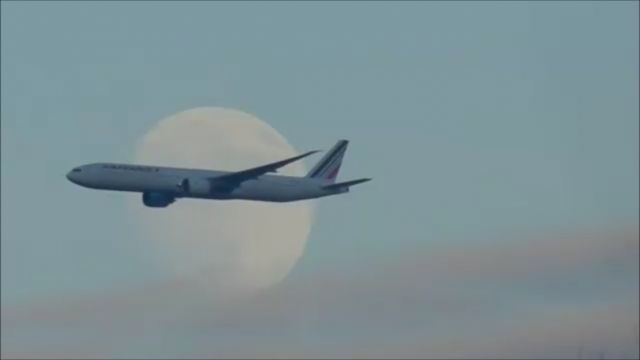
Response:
column 327, row 168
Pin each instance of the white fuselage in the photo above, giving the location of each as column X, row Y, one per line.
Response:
column 167, row 180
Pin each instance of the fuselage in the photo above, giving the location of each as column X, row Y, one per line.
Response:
column 169, row 181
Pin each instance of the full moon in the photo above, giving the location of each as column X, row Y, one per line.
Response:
column 231, row 244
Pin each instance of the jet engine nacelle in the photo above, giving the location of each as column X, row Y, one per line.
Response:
column 157, row 199
column 195, row 187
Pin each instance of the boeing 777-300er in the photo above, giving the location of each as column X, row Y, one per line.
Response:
column 161, row 186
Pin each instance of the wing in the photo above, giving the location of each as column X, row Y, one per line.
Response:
column 233, row 179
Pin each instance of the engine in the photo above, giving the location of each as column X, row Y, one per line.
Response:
column 194, row 187
column 157, row 199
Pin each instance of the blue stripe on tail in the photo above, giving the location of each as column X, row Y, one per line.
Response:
column 327, row 168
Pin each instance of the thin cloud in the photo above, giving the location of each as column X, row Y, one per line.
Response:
column 544, row 297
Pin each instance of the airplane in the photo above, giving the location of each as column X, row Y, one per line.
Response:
column 162, row 186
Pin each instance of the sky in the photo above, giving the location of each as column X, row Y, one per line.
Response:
column 502, row 137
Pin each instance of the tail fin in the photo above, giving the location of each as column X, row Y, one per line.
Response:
column 327, row 168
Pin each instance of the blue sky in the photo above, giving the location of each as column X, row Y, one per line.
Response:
column 481, row 123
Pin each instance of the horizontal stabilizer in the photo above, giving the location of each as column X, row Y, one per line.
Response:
column 345, row 184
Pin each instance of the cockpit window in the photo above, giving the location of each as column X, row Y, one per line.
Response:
column 77, row 170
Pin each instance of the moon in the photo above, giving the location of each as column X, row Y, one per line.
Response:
column 230, row 244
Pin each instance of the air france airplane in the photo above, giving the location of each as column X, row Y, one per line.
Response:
column 161, row 186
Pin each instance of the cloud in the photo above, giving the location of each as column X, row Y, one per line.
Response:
column 543, row 297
